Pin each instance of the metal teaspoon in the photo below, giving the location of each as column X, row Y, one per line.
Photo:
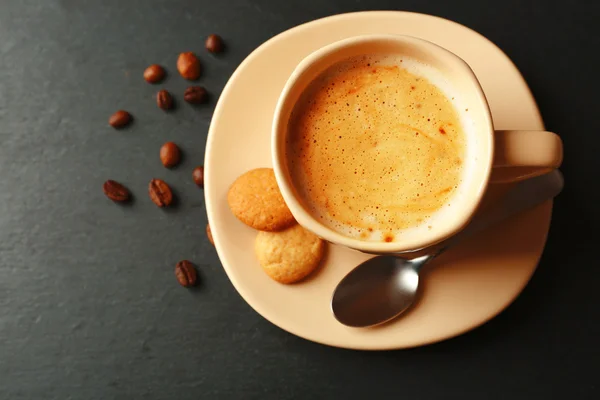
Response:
column 382, row 288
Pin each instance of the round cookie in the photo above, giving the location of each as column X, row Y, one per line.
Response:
column 255, row 199
column 289, row 255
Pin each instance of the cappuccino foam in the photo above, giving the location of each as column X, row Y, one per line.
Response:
column 376, row 147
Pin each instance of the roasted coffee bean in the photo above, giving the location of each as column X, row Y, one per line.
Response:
column 154, row 73
column 214, row 44
column 119, row 119
column 186, row 273
column 195, row 95
column 209, row 234
column 160, row 193
column 188, row 66
column 164, row 100
column 115, row 191
column 170, row 154
column 198, row 175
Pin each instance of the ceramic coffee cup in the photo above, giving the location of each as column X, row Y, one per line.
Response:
column 493, row 156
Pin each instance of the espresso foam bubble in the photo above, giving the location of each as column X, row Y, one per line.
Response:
column 378, row 147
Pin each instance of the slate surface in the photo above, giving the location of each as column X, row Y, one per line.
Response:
column 89, row 307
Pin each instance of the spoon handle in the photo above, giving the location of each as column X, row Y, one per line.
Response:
column 523, row 196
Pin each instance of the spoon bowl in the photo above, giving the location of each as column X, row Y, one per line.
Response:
column 377, row 292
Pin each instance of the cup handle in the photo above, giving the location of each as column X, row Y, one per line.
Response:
column 520, row 155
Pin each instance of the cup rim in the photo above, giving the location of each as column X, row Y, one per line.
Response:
column 308, row 221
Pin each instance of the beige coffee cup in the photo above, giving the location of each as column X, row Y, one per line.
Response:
column 499, row 156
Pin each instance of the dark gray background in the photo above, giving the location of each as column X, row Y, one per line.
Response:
column 89, row 306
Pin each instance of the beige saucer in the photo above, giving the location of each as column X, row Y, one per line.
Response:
column 466, row 287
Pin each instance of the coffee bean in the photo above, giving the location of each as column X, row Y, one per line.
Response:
column 214, row 44
column 170, row 154
column 209, row 234
column 164, row 100
column 115, row 191
column 186, row 273
column 160, row 193
column 195, row 95
column 188, row 66
column 198, row 175
column 119, row 119
column 154, row 73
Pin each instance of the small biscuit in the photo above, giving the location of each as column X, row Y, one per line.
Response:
column 255, row 199
column 290, row 255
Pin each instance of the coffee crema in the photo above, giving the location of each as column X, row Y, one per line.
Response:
column 375, row 148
